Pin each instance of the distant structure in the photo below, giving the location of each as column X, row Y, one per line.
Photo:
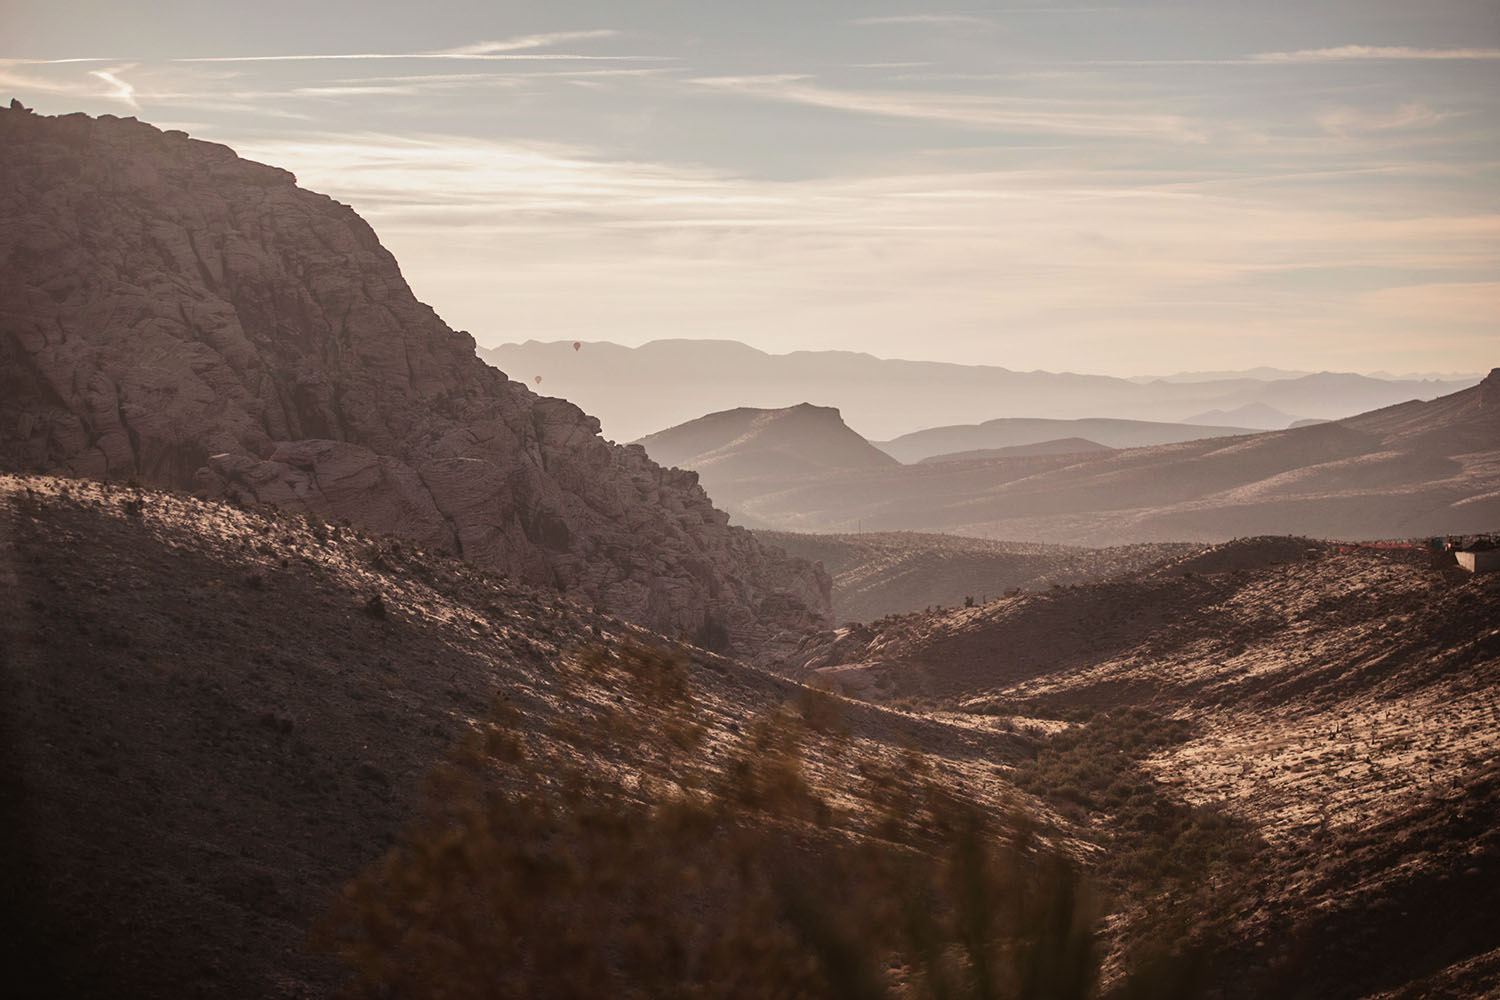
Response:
column 1479, row 562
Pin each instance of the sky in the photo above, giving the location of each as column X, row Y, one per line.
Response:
column 1125, row 189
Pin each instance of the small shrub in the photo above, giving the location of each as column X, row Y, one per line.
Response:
column 821, row 710
column 712, row 636
column 375, row 606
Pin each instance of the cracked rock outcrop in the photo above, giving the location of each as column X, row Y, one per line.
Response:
column 173, row 312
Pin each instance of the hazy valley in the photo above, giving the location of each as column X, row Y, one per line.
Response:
column 1413, row 469
column 338, row 661
column 635, row 391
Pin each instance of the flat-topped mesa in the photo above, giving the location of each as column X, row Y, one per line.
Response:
column 171, row 311
column 749, row 440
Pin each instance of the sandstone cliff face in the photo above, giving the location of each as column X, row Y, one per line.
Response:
column 171, row 311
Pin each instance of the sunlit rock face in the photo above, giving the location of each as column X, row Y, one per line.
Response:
column 173, row 312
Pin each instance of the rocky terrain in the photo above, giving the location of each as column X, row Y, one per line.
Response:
column 881, row 573
column 638, row 390
column 1278, row 777
column 213, row 718
column 1418, row 468
column 171, row 312
column 1342, row 703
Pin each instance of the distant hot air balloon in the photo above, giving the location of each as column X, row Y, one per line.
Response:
column 538, row 380
column 577, row 345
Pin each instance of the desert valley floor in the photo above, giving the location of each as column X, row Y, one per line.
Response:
column 1269, row 749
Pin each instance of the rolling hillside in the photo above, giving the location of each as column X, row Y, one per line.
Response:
column 1419, row 468
column 880, row 573
column 1015, row 432
column 1342, row 704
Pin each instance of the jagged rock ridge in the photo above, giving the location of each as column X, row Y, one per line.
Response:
column 171, row 311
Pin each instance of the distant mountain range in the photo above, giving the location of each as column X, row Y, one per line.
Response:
column 1413, row 469
column 1256, row 415
column 637, row 390
column 1270, row 374
column 1014, row 432
column 1058, row 446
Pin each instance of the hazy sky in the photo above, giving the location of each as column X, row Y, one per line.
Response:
column 1118, row 189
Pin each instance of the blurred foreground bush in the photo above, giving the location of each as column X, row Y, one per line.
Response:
column 631, row 849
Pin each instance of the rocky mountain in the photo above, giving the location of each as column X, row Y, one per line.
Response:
column 1015, row 432
column 638, row 390
column 736, row 451
column 1415, row 469
column 171, row 312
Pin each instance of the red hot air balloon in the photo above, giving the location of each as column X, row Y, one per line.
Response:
column 577, row 345
column 538, row 380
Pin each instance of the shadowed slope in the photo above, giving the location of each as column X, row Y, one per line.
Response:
column 210, row 719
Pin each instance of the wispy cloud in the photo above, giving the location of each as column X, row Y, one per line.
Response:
column 988, row 18
column 967, row 110
column 529, row 42
column 373, row 89
column 497, row 56
column 1034, row 206
column 1351, row 121
column 1343, row 53
column 122, row 91
column 58, row 62
column 93, row 85
column 944, row 20
column 1076, row 256
column 448, row 83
